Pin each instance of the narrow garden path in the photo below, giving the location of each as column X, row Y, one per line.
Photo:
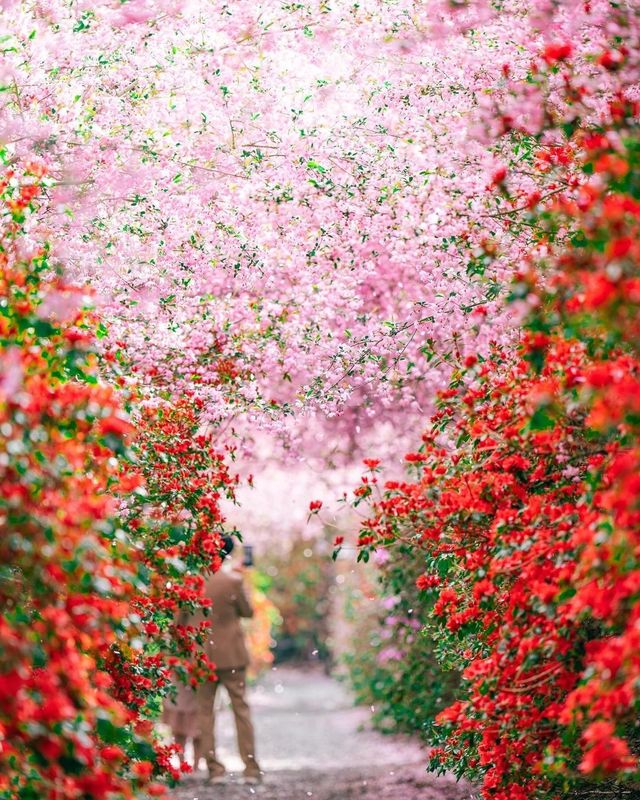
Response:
column 312, row 743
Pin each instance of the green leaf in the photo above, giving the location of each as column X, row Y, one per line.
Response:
column 110, row 733
column 541, row 420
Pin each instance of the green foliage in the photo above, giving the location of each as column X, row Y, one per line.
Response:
column 298, row 583
column 393, row 665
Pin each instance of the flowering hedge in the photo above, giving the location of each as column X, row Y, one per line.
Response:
column 272, row 241
column 103, row 525
column 525, row 499
column 68, row 571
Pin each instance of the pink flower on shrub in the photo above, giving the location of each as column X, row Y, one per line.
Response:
column 390, row 654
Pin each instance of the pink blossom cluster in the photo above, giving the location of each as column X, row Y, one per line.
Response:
column 296, row 189
column 274, row 183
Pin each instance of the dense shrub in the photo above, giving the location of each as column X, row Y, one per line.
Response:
column 392, row 666
column 106, row 527
column 69, row 566
column 525, row 495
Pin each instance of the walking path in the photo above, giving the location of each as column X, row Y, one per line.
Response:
column 314, row 745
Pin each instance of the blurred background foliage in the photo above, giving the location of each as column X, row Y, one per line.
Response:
column 299, row 583
column 366, row 625
column 392, row 664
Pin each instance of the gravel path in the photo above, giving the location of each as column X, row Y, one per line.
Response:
column 312, row 743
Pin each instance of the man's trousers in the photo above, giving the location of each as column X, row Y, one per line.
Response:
column 234, row 681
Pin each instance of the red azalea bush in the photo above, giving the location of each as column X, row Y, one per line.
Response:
column 185, row 478
column 105, row 529
column 68, row 570
column 526, row 495
column 497, row 519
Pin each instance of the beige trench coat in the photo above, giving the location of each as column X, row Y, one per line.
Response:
column 225, row 646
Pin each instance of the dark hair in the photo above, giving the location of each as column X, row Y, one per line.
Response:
column 227, row 546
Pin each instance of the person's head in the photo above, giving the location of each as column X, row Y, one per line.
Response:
column 227, row 546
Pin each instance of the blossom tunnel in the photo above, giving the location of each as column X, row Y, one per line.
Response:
column 360, row 279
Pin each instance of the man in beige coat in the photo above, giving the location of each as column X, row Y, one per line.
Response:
column 193, row 713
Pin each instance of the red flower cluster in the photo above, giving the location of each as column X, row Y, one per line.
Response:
column 185, row 478
column 526, row 496
column 109, row 513
column 66, row 575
